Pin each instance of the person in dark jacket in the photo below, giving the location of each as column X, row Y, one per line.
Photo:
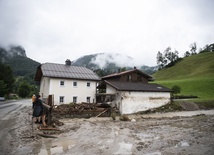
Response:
column 38, row 109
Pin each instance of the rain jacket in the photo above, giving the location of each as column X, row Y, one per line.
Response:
column 37, row 108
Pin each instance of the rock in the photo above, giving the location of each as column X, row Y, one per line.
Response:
column 124, row 118
column 133, row 120
column 189, row 106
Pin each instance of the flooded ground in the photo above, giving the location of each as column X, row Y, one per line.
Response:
column 153, row 134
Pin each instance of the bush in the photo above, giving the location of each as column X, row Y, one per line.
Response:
column 176, row 89
column 24, row 90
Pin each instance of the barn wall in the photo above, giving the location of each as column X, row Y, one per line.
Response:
column 110, row 90
column 132, row 102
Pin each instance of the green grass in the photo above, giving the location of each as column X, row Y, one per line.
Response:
column 201, row 87
column 200, row 65
column 195, row 76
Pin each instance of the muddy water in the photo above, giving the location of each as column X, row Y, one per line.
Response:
column 179, row 114
column 124, row 148
column 53, row 146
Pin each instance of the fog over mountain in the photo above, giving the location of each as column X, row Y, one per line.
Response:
column 11, row 51
column 112, row 62
column 15, row 56
column 103, row 59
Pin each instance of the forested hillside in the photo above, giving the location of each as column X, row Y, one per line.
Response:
column 16, row 58
column 21, row 80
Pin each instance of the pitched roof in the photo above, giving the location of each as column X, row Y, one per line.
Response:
column 65, row 71
column 127, row 72
column 137, row 86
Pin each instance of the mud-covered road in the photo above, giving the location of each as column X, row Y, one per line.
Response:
column 148, row 135
column 13, row 118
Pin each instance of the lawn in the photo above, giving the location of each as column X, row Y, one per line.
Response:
column 201, row 87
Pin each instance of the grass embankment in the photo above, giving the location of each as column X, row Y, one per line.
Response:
column 201, row 87
column 194, row 74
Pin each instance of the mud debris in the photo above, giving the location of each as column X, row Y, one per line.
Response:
column 83, row 110
column 158, row 134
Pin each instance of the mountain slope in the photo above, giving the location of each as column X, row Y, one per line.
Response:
column 16, row 57
column 200, row 65
column 86, row 61
column 110, row 62
column 194, row 74
column 23, row 65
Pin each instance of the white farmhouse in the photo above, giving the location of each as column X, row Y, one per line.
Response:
column 67, row 83
column 130, row 92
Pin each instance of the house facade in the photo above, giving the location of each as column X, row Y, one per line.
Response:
column 131, row 92
column 68, row 84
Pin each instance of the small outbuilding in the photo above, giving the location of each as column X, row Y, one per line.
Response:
column 131, row 92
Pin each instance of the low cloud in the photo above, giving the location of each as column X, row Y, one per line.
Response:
column 103, row 59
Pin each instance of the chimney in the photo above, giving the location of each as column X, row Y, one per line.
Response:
column 68, row 62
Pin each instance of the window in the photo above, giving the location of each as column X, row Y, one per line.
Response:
column 88, row 84
column 88, row 99
column 62, row 83
column 74, row 99
column 129, row 77
column 75, row 84
column 61, row 99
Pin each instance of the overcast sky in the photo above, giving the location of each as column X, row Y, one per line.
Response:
column 56, row 30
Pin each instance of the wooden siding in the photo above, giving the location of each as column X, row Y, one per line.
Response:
column 133, row 77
